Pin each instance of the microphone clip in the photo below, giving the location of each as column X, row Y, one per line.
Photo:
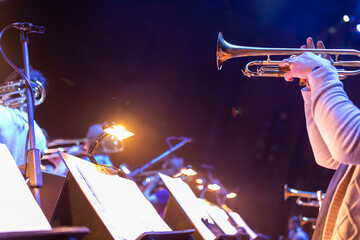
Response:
column 29, row 27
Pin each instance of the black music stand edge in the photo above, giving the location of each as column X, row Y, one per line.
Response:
column 57, row 233
column 233, row 237
column 170, row 235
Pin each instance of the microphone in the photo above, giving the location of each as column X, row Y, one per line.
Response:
column 29, row 27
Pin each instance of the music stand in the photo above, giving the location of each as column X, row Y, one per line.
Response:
column 111, row 206
column 220, row 217
column 237, row 219
column 59, row 233
column 184, row 203
column 21, row 217
column 174, row 235
column 18, row 208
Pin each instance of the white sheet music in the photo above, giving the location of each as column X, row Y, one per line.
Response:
column 119, row 202
column 220, row 217
column 19, row 210
column 239, row 221
column 190, row 204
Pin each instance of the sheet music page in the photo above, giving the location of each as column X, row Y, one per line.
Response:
column 190, row 204
column 220, row 217
column 19, row 210
column 119, row 202
column 239, row 221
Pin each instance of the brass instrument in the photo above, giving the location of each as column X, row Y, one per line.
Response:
column 270, row 68
column 289, row 192
column 13, row 94
column 306, row 220
column 71, row 146
column 77, row 147
column 63, row 142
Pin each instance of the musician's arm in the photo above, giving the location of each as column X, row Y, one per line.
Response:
column 321, row 152
column 336, row 117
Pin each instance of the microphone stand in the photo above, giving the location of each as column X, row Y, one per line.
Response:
column 155, row 160
column 33, row 154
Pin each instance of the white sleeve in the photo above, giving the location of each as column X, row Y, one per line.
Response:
column 321, row 152
column 335, row 116
column 6, row 122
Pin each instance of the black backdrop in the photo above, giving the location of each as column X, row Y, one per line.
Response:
column 150, row 65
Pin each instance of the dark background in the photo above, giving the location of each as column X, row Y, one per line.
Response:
column 150, row 65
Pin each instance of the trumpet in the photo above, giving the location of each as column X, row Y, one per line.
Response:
column 13, row 94
column 270, row 68
column 318, row 195
column 306, row 220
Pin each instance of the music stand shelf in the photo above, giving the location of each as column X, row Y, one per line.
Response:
column 232, row 237
column 173, row 235
column 57, row 233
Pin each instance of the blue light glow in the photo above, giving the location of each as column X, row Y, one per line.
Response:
column 358, row 27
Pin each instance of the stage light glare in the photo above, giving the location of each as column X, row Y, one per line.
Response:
column 199, row 181
column 346, row 18
column 188, row 172
column 214, row 187
column 109, row 129
column 231, row 195
column 119, row 132
column 358, row 27
column 200, row 187
column 125, row 169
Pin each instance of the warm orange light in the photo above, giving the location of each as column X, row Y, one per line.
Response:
column 119, row 132
column 231, row 195
column 188, row 172
column 199, row 181
column 214, row 187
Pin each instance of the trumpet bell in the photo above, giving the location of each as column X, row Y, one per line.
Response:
column 225, row 51
column 220, row 51
column 13, row 94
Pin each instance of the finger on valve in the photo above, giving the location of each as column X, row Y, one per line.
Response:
column 309, row 44
column 320, row 45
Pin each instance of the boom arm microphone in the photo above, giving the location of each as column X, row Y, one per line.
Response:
column 29, row 27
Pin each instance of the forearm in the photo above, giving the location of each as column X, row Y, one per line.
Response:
column 335, row 116
column 321, row 152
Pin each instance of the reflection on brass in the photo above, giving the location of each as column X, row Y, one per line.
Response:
column 13, row 94
column 304, row 198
